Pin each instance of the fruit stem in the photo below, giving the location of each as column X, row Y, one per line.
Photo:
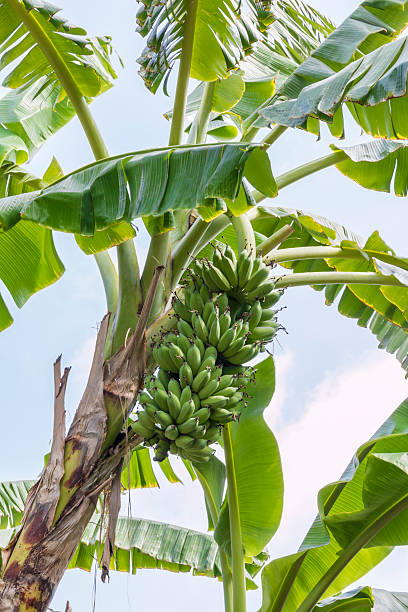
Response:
column 245, row 234
column 303, row 171
column 334, row 278
column 237, row 549
column 225, row 569
column 274, row 241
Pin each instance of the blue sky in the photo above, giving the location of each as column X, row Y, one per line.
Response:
column 334, row 387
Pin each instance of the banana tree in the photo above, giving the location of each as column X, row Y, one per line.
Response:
column 178, row 365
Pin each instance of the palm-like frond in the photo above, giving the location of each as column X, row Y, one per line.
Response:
column 225, row 31
column 351, row 46
column 37, row 106
column 382, row 310
column 87, row 59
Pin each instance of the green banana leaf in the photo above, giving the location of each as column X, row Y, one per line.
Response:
column 360, row 600
column 357, row 302
column 144, row 544
column 12, row 499
column 371, row 25
column 225, row 30
column 365, row 599
column 212, row 477
column 341, row 506
column 87, row 59
column 373, row 87
column 258, row 469
column 37, row 106
column 95, row 197
column 297, row 29
column 380, row 165
column 138, row 473
column 28, row 259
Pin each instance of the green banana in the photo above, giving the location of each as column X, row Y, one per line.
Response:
column 247, row 353
column 202, row 415
column 200, row 327
column 226, row 339
column 174, row 387
column 185, row 395
column 163, row 418
column 141, row 430
column 174, row 405
column 271, row 299
column 194, row 358
column 176, row 356
column 214, row 335
column 171, row 432
column 256, row 279
column 262, row 290
column 185, row 329
column 229, row 270
column 184, row 441
column 181, row 310
column 244, row 268
column 201, row 379
column 225, row 321
column 255, row 315
column 164, row 378
column 188, row 426
column 186, row 412
column 186, row 375
column 183, row 343
column 208, row 389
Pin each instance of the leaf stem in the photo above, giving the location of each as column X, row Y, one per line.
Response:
column 273, row 135
column 158, row 255
column 130, row 294
column 185, row 249
column 64, row 75
column 335, row 278
column 274, row 241
column 177, row 124
column 245, row 234
column 204, row 112
column 303, row 171
column 109, row 278
column 237, row 550
column 225, row 569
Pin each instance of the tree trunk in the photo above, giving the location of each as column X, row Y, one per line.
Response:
column 81, row 465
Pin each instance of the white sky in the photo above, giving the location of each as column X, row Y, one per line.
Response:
column 334, row 387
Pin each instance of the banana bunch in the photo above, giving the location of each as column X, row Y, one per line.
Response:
column 224, row 319
column 184, row 407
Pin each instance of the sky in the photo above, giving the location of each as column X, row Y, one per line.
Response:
column 334, row 388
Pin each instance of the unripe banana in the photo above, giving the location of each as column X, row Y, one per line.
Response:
column 171, row 432
column 188, row 426
column 181, row 310
column 257, row 279
column 215, row 401
column 185, row 329
column 214, row 335
column 163, row 418
column 197, row 302
column 184, row 343
column 162, row 356
column 200, row 327
column 164, row 378
column 208, row 389
column 222, row 302
column 186, row 411
column 225, row 321
column 200, row 380
column 176, row 356
column 184, row 441
column 141, row 430
column 174, row 387
column 194, row 358
column 255, row 315
column 247, row 353
column 234, row 347
column 226, row 339
column 202, row 415
column 244, row 268
column 186, row 375
column 185, row 395
column 262, row 290
column 205, row 294
column 160, row 397
column 208, row 310
column 174, row 405
column 209, row 362
column 272, row 299
column 230, row 254
column 222, row 416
